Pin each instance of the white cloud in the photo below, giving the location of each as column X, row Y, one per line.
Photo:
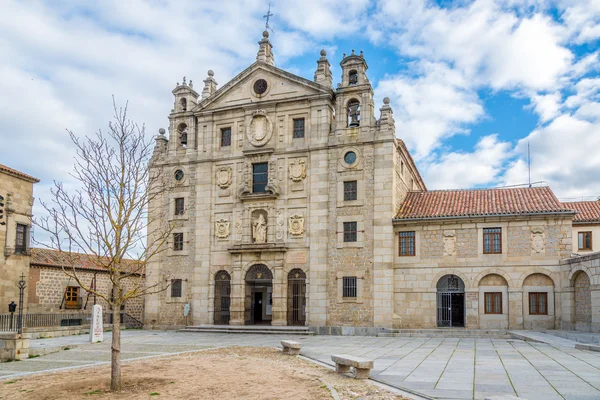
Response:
column 547, row 106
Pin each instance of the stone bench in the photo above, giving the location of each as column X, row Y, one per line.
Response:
column 361, row 366
column 290, row 347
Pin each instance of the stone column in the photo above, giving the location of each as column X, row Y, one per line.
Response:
column 279, row 306
column 238, row 288
column 515, row 309
column 567, row 296
column 472, row 308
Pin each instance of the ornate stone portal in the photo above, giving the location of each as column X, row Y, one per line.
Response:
column 296, row 225
column 260, row 129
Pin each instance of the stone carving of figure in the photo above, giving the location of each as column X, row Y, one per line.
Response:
column 259, row 230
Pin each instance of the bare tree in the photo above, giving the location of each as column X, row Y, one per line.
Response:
column 107, row 217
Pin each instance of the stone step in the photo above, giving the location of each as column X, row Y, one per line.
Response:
column 588, row 347
column 581, row 337
column 447, row 333
column 249, row 329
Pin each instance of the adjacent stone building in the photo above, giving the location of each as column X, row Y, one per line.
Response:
column 586, row 226
column 295, row 203
column 16, row 189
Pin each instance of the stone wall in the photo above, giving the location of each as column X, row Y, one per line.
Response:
column 466, row 243
column 519, row 241
column 581, row 295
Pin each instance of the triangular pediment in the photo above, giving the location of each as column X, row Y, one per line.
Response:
column 280, row 85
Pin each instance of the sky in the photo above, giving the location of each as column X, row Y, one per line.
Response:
column 471, row 83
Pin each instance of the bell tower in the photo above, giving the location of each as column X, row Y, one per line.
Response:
column 181, row 119
column 355, row 107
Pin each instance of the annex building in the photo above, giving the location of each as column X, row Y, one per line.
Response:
column 295, row 202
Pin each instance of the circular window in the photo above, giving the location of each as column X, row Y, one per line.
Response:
column 179, row 175
column 350, row 157
column 260, row 86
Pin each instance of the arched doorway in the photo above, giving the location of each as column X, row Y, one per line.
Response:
column 259, row 295
column 583, row 301
column 296, row 298
column 450, row 302
column 222, row 298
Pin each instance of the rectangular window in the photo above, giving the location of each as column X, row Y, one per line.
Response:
column 260, row 177
column 407, row 244
column 493, row 303
column 349, row 287
column 175, row 288
column 538, row 303
column 584, row 240
column 179, row 206
column 349, row 231
column 350, row 190
column 492, row 240
column 72, row 297
column 21, row 240
column 225, row 137
column 178, row 241
column 298, row 128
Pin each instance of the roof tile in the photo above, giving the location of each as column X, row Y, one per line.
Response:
column 587, row 211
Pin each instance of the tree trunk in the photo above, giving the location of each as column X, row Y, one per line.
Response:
column 115, row 365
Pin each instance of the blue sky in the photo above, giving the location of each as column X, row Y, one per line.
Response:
column 470, row 82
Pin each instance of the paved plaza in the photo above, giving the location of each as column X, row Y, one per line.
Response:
column 441, row 368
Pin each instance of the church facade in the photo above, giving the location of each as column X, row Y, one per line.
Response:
column 294, row 203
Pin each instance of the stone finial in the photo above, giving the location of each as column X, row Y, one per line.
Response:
column 161, row 131
column 265, row 50
column 191, row 84
column 323, row 53
column 184, row 81
column 210, row 85
column 386, row 121
column 161, row 143
column 386, row 100
column 323, row 71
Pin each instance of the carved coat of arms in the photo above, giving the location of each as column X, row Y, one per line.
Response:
column 222, row 228
column 224, row 177
column 260, row 129
column 297, row 170
column 537, row 240
column 296, row 225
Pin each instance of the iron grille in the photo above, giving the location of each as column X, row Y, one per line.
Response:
column 350, row 190
column 222, row 298
column 298, row 128
column 349, row 231
column 349, row 287
column 296, row 297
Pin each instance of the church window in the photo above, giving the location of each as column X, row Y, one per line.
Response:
column 406, row 244
column 184, row 104
column 353, row 78
column 178, row 241
column 493, row 303
column 350, row 190
column 175, row 288
column 298, row 128
column 353, row 113
column 349, row 287
column 584, row 240
column 260, row 177
column 179, row 206
column 538, row 303
column 179, row 175
column 350, row 231
column 492, row 240
column 225, row 137
column 350, row 157
column 260, row 86
column 21, row 240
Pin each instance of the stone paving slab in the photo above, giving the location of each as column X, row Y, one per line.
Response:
column 442, row 368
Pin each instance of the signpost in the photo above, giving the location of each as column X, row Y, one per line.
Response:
column 96, row 328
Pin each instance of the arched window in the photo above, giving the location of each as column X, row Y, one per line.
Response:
column 352, row 78
column 183, row 135
column 353, row 113
column 183, row 104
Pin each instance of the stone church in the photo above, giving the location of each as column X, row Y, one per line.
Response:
column 295, row 202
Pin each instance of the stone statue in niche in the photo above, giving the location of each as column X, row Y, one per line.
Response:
column 537, row 239
column 222, row 228
column 259, row 229
column 296, row 225
column 449, row 243
column 224, row 177
column 297, row 170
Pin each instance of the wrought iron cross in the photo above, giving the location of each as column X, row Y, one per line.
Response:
column 268, row 15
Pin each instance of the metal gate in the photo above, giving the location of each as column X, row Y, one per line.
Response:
column 444, row 309
column 449, row 288
column 222, row 297
column 296, row 299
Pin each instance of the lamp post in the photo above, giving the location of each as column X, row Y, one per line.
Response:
column 22, row 285
column 12, row 307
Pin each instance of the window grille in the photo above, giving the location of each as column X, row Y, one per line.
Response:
column 493, row 303
column 349, row 231
column 179, row 206
column 298, row 128
column 349, row 287
column 350, row 190
column 225, row 137
column 175, row 287
column 407, row 244
column 492, row 240
column 260, row 177
column 178, row 241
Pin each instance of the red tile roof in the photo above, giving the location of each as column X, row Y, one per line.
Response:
column 19, row 174
column 587, row 211
column 55, row 258
column 480, row 203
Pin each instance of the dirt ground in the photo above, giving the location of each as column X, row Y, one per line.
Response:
column 229, row 373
